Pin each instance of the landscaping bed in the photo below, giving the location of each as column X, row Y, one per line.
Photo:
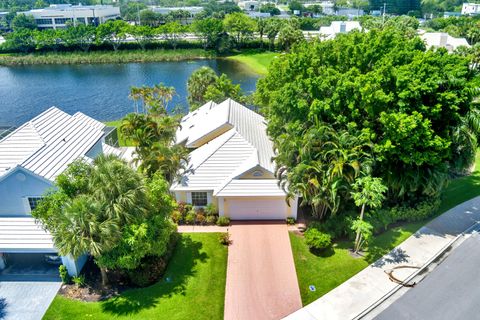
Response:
column 193, row 287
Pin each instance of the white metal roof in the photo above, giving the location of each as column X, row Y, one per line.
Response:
column 249, row 187
column 443, row 40
column 221, row 160
column 24, row 235
column 337, row 27
column 47, row 144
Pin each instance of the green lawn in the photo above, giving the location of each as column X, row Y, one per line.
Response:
column 196, row 291
column 122, row 141
column 258, row 62
column 332, row 268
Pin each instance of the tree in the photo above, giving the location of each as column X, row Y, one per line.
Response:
column 81, row 35
column 272, row 28
column 22, row 39
column 367, row 191
column 113, row 32
column 49, row 39
column 209, row 30
column 222, row 89
column 172, row 33
column 142, row 34
column 270, row 8
column 197, row 85
column 240, row 26
column 154, row 99
column 261, row 23
column 289, row 35
column 296, row 6
column 22, row 21
column 317, row 9
column 94, row 209
column 407, row 100
column 149, row 18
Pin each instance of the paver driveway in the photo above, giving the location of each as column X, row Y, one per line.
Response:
column 22, row 300
column 261, row 278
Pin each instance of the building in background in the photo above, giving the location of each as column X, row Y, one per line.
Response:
column 60, row 15
column 471, row 9
column 443, row 40
column 336, row 27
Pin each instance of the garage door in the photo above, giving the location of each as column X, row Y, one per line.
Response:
column 257, row 209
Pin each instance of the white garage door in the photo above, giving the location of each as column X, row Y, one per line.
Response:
column 257, row 209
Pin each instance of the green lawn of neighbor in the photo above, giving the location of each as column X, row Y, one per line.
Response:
column 122, row 141
column 196, row 290
column 332, row 268
column 258, row 62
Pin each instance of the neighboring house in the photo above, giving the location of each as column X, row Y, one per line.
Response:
column 249, row 5
column 471, row 9
column 336, row 27
column 60, row 15
column 31, row 157
column 231, row 164
column 443, row 40
column 328, row 7
column 192, row 12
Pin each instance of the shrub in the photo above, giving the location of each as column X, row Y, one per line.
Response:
column 177, row 217
column 223, row 221
column 200, row 211
column 211, row 219
column 200, row 218
column 211, row 210
column 64, row 274
column 317, row 240
column 184, row 208
column 224, row 238
column 291, row 220
column 337, row 226
column 190, row 218
column 79, row 280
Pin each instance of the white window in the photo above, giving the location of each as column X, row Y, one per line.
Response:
column 33, row 202
column 199, row 199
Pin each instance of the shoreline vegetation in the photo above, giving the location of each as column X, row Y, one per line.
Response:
column 100, row 57
column 254, row 61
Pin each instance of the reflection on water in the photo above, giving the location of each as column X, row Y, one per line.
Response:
column 100, row 91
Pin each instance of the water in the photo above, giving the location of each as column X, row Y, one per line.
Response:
column 100, row 91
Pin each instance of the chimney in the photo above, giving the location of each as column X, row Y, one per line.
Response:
column 443, row 39
column 343, row 27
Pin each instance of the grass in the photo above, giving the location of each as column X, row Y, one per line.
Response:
column 122, row 141
column 330, row 269
column 196, row 289
column 257, row 62
column 93, row 57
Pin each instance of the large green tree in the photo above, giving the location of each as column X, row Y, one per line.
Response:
column 408, row 101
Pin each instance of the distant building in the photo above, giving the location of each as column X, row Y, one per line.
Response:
column 470, row 9
column 187, row 19
column 249, row 5
column 448, row 14
column 336, row 27
column 348, row 12
column 256, row 14
column 443, row 40
column 327, row 6
column 60, row 15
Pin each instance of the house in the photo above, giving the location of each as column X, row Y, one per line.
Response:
column 336, row 27
column 443, row 40
column 249, row 5
column 231, row 164
column 470, row 9
column 31, row 157
column 60, row 15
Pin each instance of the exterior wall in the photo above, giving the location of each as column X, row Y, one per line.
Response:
column 16, row 187
column 186, row 196
column 74, row 266
column 249, row 174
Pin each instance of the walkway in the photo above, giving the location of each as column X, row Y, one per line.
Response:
column 355, row 296
column 26, row 300
column 261, row 278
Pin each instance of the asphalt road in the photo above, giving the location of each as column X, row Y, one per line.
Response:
column 451, row 291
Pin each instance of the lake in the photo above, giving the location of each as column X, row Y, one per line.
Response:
column 100, row 91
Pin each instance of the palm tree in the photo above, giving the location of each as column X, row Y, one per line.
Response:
column 85, row 229
column 197, row 85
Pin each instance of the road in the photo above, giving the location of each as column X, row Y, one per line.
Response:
column 451, row 291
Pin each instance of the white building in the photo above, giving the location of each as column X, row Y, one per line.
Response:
column 471, row 9
column 328, row 7
column 187, row 19
column 249, row 5
column 31, row 157
column 59, row 15
column 336, row 27
column 443, row 40
column 231, row 164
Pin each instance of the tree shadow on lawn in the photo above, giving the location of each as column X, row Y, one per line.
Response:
column 181, row 267
column 3, row 308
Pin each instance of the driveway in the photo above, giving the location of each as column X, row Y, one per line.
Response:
column 261, row 277
column 26, row 300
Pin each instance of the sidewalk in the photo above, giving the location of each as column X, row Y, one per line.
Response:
column 192, row 228
column 359, row 293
